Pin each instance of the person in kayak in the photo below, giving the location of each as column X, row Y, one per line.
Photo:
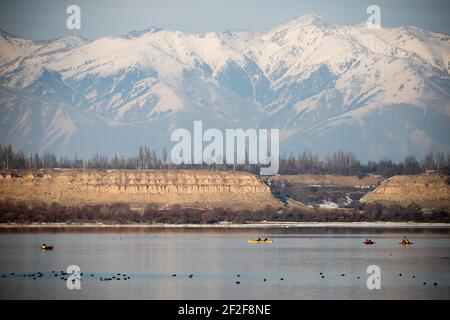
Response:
column 406, row 240
column 46, row 247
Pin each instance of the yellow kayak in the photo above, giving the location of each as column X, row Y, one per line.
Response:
column 260, row 241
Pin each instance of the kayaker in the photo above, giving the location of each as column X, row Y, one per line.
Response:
column 405, row 241
column 259, row 239
column 46, row 247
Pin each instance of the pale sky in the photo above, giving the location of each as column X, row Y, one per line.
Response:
column 46, row 19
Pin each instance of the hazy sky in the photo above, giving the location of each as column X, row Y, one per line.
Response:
column 45, row 19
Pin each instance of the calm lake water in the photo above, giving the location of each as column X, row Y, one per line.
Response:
column 214, row 257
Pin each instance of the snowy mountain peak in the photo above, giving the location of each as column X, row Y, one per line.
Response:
column 308, row 19
column 66, row 42
column 74, row 39
column 6, row 34
column 137, row 33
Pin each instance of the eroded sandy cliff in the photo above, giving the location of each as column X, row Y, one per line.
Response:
column 428, row 191
column 138, row 188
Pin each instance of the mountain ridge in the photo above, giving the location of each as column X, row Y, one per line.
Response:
column 319, row 83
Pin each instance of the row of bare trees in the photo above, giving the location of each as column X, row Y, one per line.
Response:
column 347, row 163
column 339, row 162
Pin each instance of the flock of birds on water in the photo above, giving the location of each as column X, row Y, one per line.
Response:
column 62, row 275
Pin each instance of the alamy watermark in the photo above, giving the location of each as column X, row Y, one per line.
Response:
column 74, row 279
column 374, row 20
column 236, row 151
column 73, row 21
column 374, row 280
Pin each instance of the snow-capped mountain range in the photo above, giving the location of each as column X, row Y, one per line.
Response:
column 380, row 93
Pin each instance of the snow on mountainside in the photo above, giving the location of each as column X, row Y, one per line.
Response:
column 12, row 47
column 380, row 93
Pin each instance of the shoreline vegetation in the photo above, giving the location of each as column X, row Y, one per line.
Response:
column 262, row 225
column 121, row 213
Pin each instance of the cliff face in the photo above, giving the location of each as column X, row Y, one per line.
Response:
column 428, row 191
column 138, row 188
